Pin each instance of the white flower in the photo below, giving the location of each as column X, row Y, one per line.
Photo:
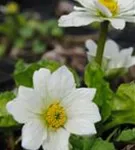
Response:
column 113, row 56
column 53, row 109
column 116, row 11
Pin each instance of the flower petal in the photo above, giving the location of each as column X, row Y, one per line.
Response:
column 122, row 59
column 126, row 52
column 78, row 105
column 80, row 126
column 126, row 56
column 40, row 80
column 76, row 19
column 111, row 49
column 33, row 135
column 57, row 140
column 61, row 83
column 117, row 62
column 85, row 95
column 91, row 46
column 130, row 62
column 125, row 3
column 20, row 111
column 84, row 110
column 118, row 23
column 31, row 97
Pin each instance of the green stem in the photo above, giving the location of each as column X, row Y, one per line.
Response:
column 101, row 42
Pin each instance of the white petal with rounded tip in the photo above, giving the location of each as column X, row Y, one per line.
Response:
column 118, row 23
column 33, row 135
column 91, row 46
column 57, row 140
column 31, row 97
column 80, row 126
column 85, row 95
column 21, row 112
column 111, row 49
column 40, row 80
column 61, row 83
column 76, row 18
column 104, row 10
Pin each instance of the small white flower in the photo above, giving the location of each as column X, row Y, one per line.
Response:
column 113, row 56
column 116, row 11
column 53, row 109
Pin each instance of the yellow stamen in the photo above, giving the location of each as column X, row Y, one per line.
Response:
column 112, row 5
column 55, row 116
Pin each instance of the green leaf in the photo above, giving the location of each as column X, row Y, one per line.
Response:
column 76, row 142
column 53, row 28
column 57, row 32
column 24, row 72
column 127, row 136
column 123, row 107
column 42, row 28
column 93, row 74
column 94, row 77
column 19, row 43
column 102, row 145
column 6, row 120
column 4, row 29
column 26, row 32
column 82, row 143
column 38, row 47
column 90, row 143
column 20, row 65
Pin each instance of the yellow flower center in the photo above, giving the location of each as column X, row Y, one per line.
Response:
column 112, row 5
column 55, row 116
